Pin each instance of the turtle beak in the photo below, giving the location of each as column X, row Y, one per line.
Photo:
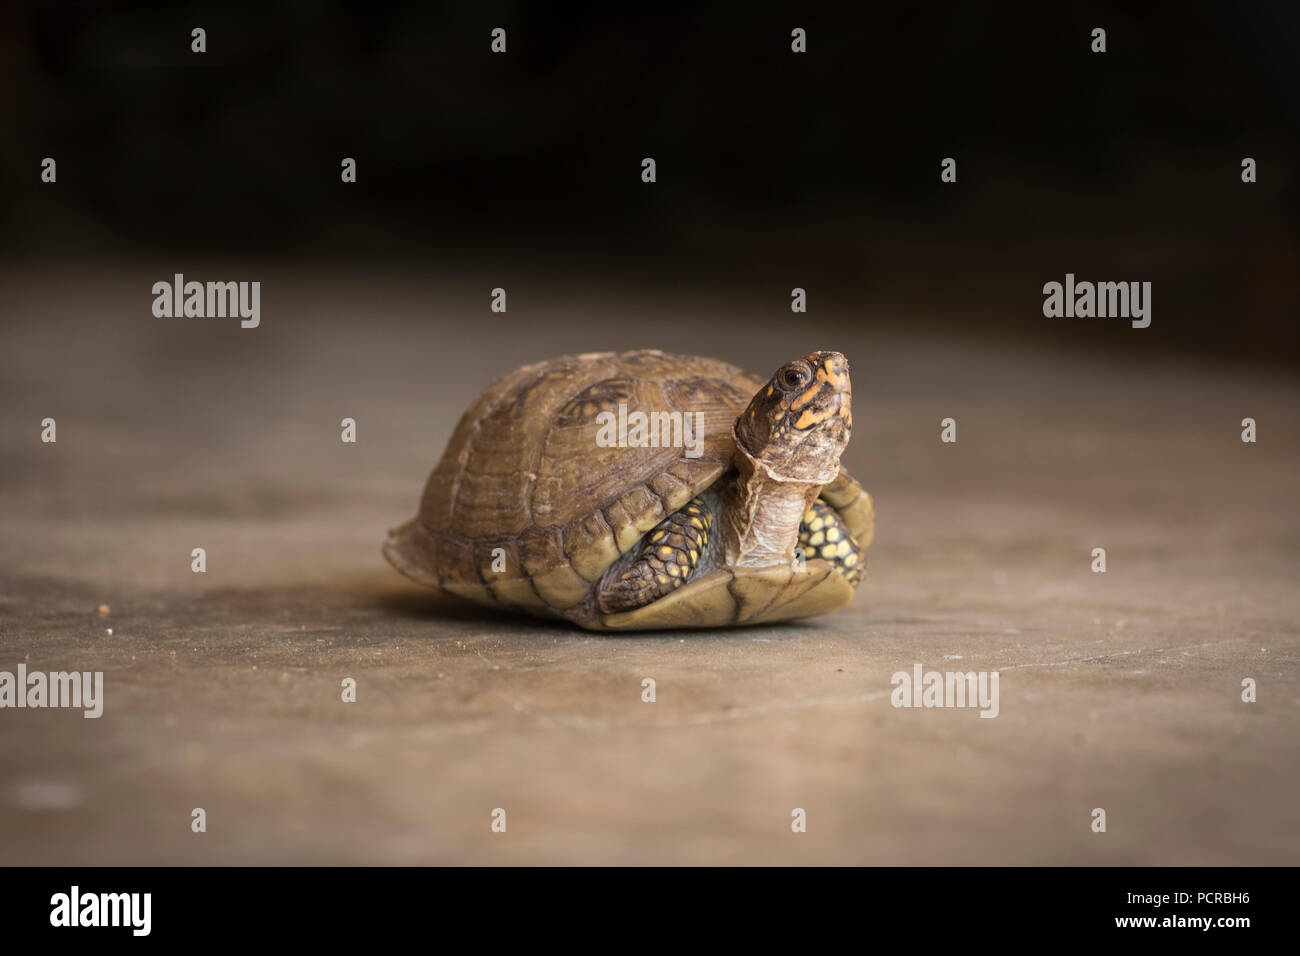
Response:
column 831, row 368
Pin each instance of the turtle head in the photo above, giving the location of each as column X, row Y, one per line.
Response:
column 799, row 422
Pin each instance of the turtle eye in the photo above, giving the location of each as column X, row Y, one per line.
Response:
column 793, row 376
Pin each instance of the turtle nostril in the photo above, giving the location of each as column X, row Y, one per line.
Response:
column 835, row 371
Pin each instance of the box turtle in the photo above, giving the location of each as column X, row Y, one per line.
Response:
column 644, row 490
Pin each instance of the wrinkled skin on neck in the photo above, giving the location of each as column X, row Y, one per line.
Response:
column 788, row 444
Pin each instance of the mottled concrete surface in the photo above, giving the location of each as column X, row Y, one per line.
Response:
column 1119, row 691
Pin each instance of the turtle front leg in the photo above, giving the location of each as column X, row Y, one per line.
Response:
column 823, row 535
column 668, row 557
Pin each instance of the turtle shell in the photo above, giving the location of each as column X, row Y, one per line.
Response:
column 528, row 510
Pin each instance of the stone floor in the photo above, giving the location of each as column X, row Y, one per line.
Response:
column 222, row 690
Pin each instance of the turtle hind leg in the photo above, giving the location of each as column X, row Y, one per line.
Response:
column 669, row 555
column 823, row 535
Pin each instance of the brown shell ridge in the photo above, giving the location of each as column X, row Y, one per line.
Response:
column 462, row 440
column 626, row 508
column 515, row 389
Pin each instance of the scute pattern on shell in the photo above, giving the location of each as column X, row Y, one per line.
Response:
column 523, row 473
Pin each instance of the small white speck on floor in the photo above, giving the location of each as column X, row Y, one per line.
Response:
column 952, row 657
column 110, row 632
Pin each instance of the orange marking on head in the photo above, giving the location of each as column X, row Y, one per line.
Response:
column 805, row 397
column 810, row 417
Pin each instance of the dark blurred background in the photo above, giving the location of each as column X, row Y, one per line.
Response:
column 775, row 170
